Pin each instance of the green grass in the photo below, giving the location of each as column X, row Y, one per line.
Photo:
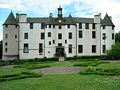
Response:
column 64, row 82
column 31, row 66
column 8, row 74
column 113, row 65
column 89, row 63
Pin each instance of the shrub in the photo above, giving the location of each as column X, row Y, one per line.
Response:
column 31, row 66
column 21, row 75
column 93, row 70
column 114, row 53
column 89, row 63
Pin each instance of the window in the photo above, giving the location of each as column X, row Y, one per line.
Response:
column 6, row 50
column 53, row 41
column 6, row 44
column 53, row 26
column 60, row 44
column 49, row 42
column 93, row 48
column 112, row 27
column 80, row 25
column 104, row 36
column 25, row 35
column 42, row 35
column 59, row 35
column 6, row 36
column 15, row 26
column 40, row 48
column 80, row 48
column 104, row 48
column 93, row 26
column 42, row 25
column 80, row 34
column 49, row 34
column 103, row 27
column 93, row 34
column 49, row 25
column 15, row 36
column 70, row 35
column 68, row 26
column 112, row 36
column 6, row 25
column 65, row 41
column 31, row 25
column 70, row 48
column 26, row 48
column 87, row 25
column 60, row 27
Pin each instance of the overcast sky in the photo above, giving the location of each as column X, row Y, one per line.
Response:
column 78, row 8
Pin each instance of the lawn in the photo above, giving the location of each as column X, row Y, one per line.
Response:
column 62, row 81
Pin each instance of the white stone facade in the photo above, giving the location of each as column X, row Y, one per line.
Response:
column 81, row 41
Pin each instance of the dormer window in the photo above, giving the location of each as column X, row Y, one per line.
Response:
column 68, row 26
column 31, row 25
column 6, row 25
column 49, row 25
column 60, row 27
column 112, row 27
column 103, row 27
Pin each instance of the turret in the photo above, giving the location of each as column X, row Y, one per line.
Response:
column 107, row 33
column 10, row 38
column 59, row 12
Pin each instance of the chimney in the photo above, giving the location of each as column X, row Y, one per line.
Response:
column 17, row 17
column 111, row 18
column 97, row 18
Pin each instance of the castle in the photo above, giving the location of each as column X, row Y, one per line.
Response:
column 38, row 37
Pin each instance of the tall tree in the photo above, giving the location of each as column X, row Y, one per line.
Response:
column 0, row 49
column 117, row 37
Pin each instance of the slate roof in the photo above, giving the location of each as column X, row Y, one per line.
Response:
column 65, row 20
column 107, row 21
column 11, row 20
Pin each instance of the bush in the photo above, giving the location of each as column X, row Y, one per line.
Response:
column 107, row 72
column 82, row 57
column 31, row 66
column 21, row 75
column 89, row 63
column 114, row 53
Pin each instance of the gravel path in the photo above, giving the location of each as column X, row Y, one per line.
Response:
column 59, row 70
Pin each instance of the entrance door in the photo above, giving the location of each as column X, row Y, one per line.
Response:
column 60, row 50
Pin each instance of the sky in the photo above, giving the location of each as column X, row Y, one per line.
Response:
column 77, row 8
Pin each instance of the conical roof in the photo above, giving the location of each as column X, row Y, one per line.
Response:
column 107, row 21
column 10, row 20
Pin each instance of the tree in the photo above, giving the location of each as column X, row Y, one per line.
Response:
column 117, row 37
column 114, row 53
column 0, row 49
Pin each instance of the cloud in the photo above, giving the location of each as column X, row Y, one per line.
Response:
column 79, row 8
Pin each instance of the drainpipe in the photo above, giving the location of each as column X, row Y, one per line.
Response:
column 76, row 38
column 18, row 42
column 44, row 38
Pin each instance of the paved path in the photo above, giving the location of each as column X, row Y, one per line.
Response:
column 59, row 70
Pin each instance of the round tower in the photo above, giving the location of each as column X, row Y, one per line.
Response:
column 10, row 38
column 107, row 34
